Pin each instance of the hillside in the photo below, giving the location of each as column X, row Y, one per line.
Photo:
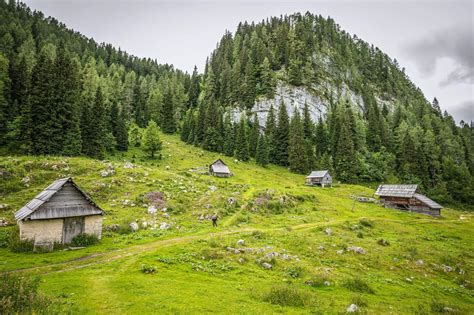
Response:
column 424, row 266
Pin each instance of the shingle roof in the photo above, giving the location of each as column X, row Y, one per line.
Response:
column 397, row 190
column 316, row 174
column 427, row 201
column 219, row 166
column 44, row 196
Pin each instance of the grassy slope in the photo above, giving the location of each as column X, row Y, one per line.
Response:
column 195, row 272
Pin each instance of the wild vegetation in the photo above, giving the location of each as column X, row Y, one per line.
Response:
column 123, row 128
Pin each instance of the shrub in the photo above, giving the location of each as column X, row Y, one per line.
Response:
column 360, row 234
column 358, row 285
column 383, row 242
column 366, row 223
column 294, row 272
column 84, row 240
column 17, row 245
column 4, row 237
column 439, row 307
column 359, row 300
column 318, row 281
column 288, row 296
column 148, row 269
column 20, row 296
column 124, row 228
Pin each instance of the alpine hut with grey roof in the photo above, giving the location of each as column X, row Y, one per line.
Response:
column 407, row 197
column 58, row 214
column 219, row 169
column 321, row 178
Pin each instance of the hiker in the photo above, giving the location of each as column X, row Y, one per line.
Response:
column 214, row 220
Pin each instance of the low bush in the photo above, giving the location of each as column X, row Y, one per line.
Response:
column 366, row 223
column 18, row 245
column 286, row 295
column 4, row 237
column 383, row 242
column 295, row 272
column 318, row 281
column 360, row 301
column 20, row 295
column 84, row 239
column 358, row 285
column 148, row 269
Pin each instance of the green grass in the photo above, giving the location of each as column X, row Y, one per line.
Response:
column 194, row 272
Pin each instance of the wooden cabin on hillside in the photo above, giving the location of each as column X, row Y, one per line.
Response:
column 219, row 169
column 407, row 197
column 58, row 214
column 321, row 178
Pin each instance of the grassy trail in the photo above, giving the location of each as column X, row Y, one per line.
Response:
column 107, row 257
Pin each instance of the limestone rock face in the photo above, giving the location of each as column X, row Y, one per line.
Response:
column 295, row 98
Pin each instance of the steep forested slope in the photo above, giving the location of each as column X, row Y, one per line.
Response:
column 374, row 123
column 293, row 90
column 62, row 93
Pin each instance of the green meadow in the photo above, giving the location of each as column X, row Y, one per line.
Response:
column 304, row 250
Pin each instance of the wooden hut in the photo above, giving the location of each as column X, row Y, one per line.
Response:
column 407, row 197
column 220, row 169
column 321, row 178
column 58, row 214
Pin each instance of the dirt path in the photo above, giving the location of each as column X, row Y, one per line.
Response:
column 106, row 257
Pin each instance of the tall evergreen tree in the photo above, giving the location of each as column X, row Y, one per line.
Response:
column 262, row 157
column 151, row 142
column 242, row 143
column 95, row 145
column 297, row 155
column 168, row 124
column 254, row 135
column 121, row 133
column 194, row 88
column 282, row 136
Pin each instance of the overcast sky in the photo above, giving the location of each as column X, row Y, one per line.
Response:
column 433, row 40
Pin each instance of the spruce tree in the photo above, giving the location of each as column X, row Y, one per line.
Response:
column 242, row 144
column 321, row 138
column 229, row 137
column 151, row 142
column 3, row 101
column 168, row 124
column 267, row 84
column 254, row 135
column 297, row 151
column 282, row 136
column 308, row 126
column 96, row 144
column 262, row 157
column 200, row 127
column 121, row 133
column 270, row 129
column 194, row 88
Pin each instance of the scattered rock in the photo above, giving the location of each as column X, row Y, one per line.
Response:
column 26, row 181
column 328, row 231
column 420, row 262
column 408, row 280
column 212, row 188
column 128, row 165
column 164, row 226
column 309, row 282
column 231, row 201
column 152, row 210
column 340, row 252
column 241, row 242
column 167, row 167
column 356, row 249
column 166, row 215
column 327, row 283
column 447, row 268
column 352, row 308
column 3, row 222
column 448, row 309
column 267, row 266
column 3, row 206
column 112, row 228
column 321, row 247
column 134, row 226
column 241, row 260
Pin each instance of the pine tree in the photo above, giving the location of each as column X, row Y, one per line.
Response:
column 43, row 110
column 95, row 146
column 242, row 144
column 254, row 135
column 282, row 135
column 262, row 157
column 308, row 126
column 297, row 155
column 151, row 142
column 168, row 124
column 67, row 93
column 229, row 137
column 121, row 133
column 194, row 88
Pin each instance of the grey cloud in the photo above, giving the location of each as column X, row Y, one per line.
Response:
column 463, row 111
column 456, row 44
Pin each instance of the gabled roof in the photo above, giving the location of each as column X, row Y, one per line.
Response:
column 427, row 201
column 317, row 174
column 43, row 197
column 397, row 190
column 218, row 166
